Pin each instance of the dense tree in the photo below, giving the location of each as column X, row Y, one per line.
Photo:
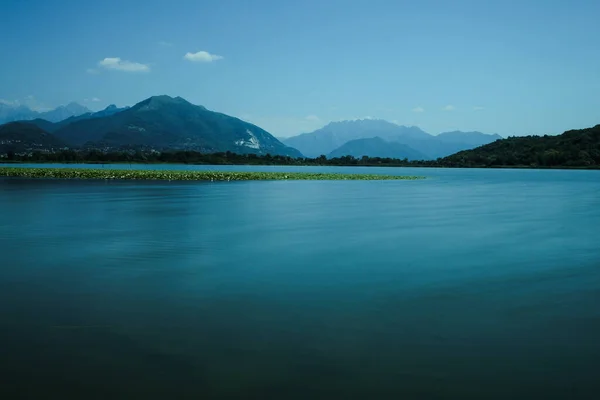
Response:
column 192, row 157
column 575, row 148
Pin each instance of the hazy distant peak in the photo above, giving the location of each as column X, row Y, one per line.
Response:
column 335, row 134
column 76, row 108
column 472, row 138
column 467, row 133
column 360, row 121
column 376, row 147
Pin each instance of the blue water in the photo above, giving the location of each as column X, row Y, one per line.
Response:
column 470, row 284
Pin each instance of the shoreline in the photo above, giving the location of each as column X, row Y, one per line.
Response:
column 108, row 163
column 170, row 175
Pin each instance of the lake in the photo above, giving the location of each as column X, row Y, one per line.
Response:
column 469, row 284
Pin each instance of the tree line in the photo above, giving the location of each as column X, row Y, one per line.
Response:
column 193, row 157
column 573, row 149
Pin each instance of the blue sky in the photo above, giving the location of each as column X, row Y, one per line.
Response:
column 507, row 67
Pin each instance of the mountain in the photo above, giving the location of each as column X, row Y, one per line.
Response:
column 433, row 147
column 335, row 134
column 474, row 139
column 376, row 147
column 64, row 112
column 110, row 110
column 43, row 124
column 24, row 136
column 54, row 126
column 163, row 122
column 9, row 113
column 574, row 148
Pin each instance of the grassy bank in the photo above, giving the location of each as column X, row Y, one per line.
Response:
column 73, row 173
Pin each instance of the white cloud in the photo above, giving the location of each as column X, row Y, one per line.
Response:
column 115, row 63
column 202, row 56
column 478, row 108
column 165, row 43
column 449, row 107
column 10, row 103
column 28, row 101
column 92, row 71
column 418, row 109
column 92, row 100
column 312, row 118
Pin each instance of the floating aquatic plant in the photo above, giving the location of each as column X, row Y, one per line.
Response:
column 74, row 173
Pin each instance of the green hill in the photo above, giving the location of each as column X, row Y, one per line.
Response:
column 574, row 148
column 163, row 122
column 18, row 137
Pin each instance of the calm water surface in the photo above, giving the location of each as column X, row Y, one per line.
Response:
column 471, row 284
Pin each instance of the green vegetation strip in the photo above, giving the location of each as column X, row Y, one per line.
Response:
column 81, row 173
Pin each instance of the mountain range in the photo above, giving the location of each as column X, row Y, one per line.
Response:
column 417, row 143
column 376, row 147
column 158, row 123
column 10, row 113
column 172, row 123
column 166, row 123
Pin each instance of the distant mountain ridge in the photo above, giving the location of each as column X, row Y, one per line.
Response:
column 110, row 110
column 326, row 140
column 335, row 134
column 376, row 147
column 470, row 138
column 54, row 126
column 163, row 123
column 10, row 113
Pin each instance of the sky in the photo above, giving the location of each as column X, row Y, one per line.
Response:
column 507, row 67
